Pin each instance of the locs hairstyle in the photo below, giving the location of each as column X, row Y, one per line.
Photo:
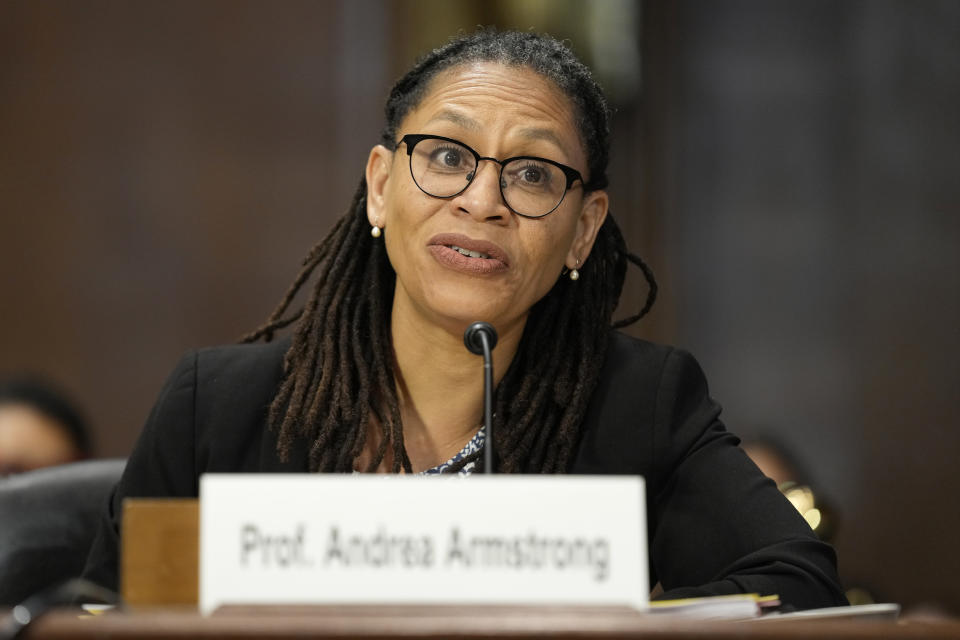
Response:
column 338, row 371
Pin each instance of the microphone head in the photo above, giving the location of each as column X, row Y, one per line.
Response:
column 471, row 337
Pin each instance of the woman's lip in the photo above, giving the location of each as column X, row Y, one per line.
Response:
column 441, row 246
column 485, row 247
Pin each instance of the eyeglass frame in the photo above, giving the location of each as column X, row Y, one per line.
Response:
column 411, row 140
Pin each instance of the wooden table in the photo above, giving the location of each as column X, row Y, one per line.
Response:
column 461, row 623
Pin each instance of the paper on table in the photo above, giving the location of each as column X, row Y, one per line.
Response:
column 730, row 607
column 883, row 611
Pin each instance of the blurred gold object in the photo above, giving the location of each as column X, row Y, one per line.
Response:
column 804, row 501
column 858, row 595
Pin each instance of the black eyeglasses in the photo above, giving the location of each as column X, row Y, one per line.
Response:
column 531, row 187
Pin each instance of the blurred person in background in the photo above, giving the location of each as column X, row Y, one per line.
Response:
column 39, row 426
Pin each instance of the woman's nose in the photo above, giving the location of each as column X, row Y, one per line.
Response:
column 483, row 198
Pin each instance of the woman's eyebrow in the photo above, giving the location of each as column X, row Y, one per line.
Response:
column 529, row 133
column 539, row 133
column 457, row 118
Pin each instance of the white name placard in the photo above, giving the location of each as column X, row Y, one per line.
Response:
column 378, row 539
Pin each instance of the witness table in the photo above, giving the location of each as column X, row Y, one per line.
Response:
column 355, row 622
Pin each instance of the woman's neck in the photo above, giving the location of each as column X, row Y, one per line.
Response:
column 440, row 384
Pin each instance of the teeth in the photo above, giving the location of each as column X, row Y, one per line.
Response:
column 467, row 252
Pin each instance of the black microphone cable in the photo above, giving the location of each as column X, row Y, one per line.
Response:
column 66, row 594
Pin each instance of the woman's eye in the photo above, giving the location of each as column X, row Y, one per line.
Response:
column 448, row 158
column 533, row 175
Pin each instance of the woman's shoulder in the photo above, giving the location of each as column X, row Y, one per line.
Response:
column 234, row 384
column 635, row 362
column 625, row 350
column 635, row 404
column 238, row 361
column 217, row 399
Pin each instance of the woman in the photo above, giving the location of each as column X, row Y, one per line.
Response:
column 484, row 201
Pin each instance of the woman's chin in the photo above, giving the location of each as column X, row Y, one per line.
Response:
column 456, row 312
column 451, row 302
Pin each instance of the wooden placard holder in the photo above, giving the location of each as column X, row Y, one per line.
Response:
column 159, row 556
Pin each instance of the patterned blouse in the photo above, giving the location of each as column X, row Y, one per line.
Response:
column 475, row 444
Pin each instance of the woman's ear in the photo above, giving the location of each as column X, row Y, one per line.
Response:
column 378, row 176
column 592, row 214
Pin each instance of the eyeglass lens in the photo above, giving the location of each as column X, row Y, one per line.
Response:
column 530, row 187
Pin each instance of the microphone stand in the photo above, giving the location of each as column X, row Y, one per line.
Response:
column 480, row 338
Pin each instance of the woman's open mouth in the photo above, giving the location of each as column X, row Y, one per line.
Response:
column 468, row 255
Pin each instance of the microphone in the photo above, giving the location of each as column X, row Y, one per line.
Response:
column 480, row 338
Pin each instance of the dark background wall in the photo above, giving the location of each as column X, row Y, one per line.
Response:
column 810, row 195
column 788, row 168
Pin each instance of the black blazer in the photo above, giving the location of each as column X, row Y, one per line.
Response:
column 716, row 524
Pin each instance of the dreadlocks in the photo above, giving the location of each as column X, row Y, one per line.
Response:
column 339, row 372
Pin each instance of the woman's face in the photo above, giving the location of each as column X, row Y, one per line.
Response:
column 500, row 112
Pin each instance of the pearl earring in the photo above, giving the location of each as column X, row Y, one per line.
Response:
column 375, row 231
column 574, row 274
